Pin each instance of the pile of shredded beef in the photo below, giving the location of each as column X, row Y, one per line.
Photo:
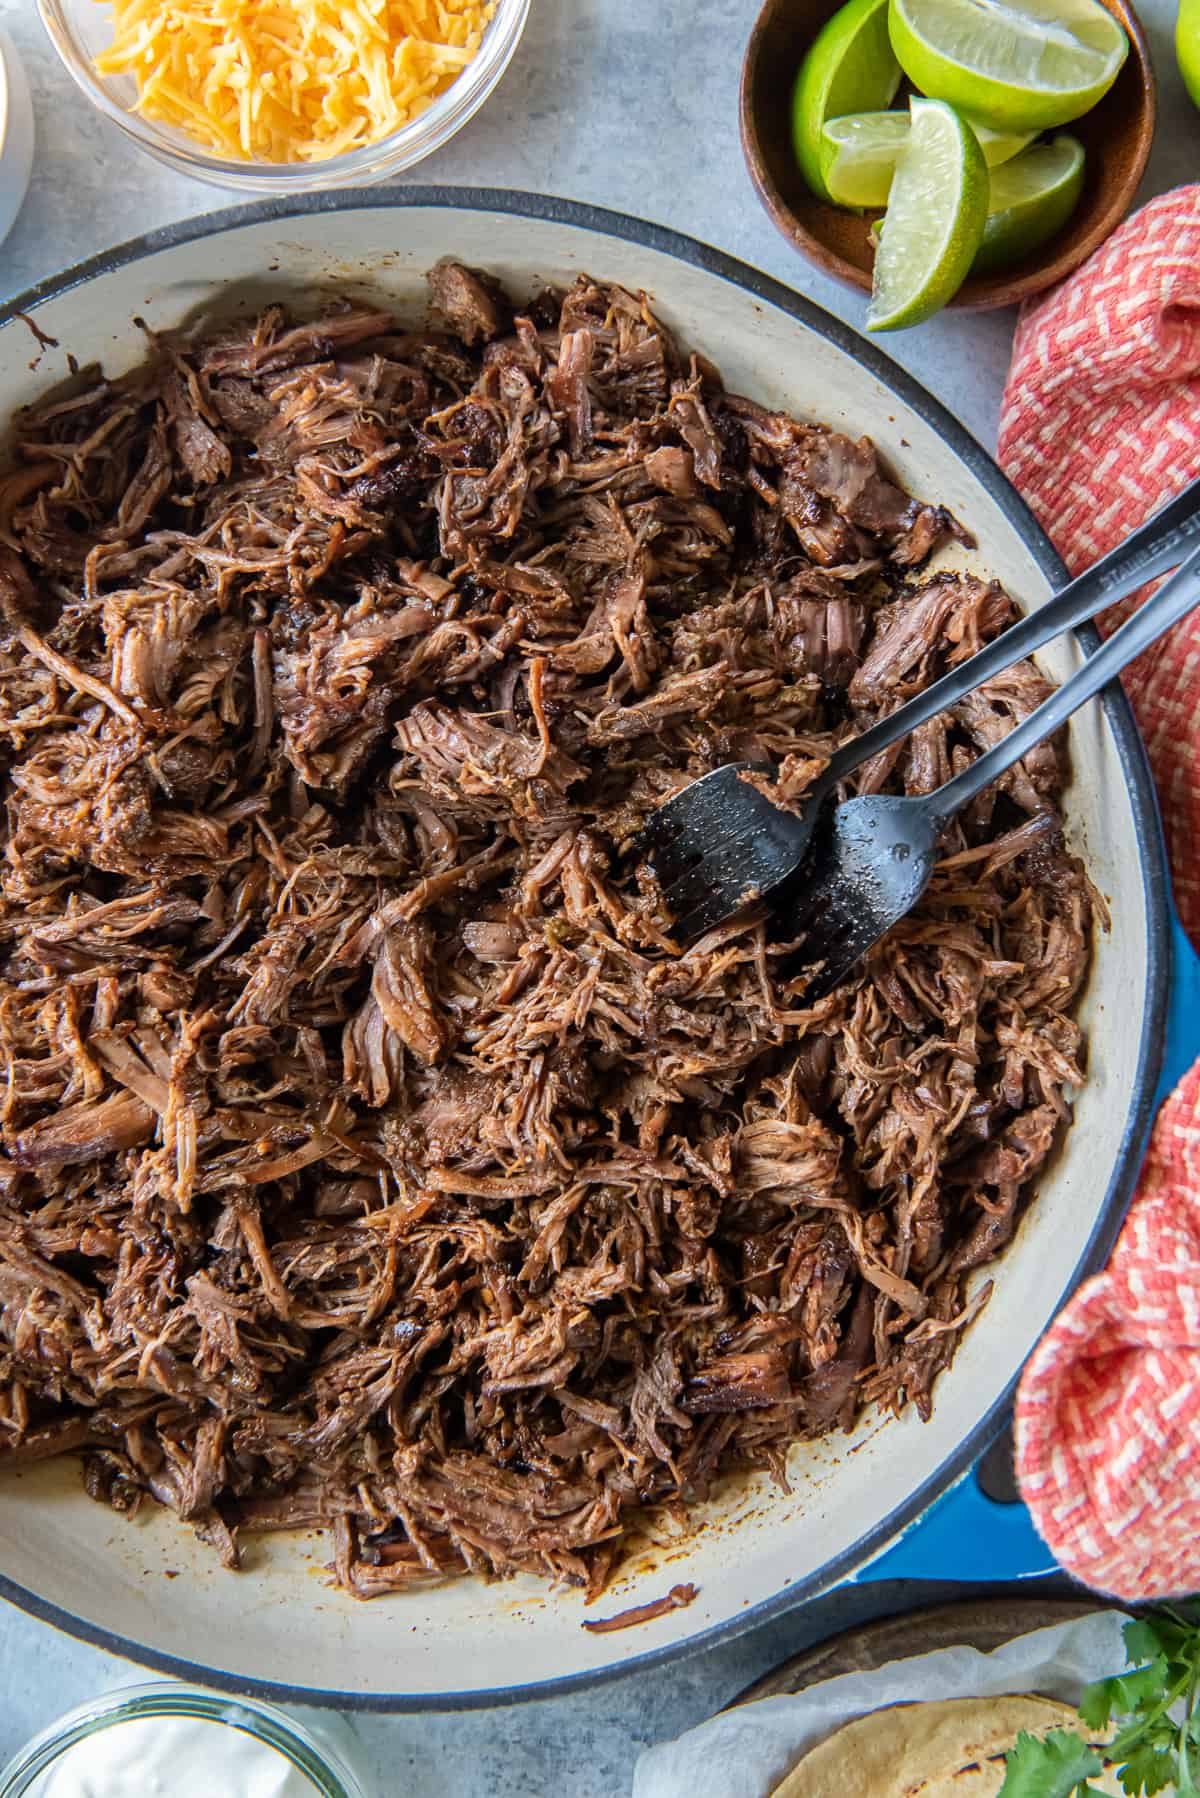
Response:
column 374, row 1158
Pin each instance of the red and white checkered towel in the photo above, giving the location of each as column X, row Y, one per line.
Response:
column 1101, row 423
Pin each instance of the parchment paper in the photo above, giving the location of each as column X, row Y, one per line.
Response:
column 744, row 1753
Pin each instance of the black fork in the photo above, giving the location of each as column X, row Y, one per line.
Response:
column 873, row 857
column 720, row 842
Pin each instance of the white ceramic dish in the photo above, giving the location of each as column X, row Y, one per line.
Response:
column 278, row 1628
column 16, row 134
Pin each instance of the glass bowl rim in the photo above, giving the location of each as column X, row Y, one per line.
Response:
column 320, row 1764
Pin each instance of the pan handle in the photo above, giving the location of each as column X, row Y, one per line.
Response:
column 967, row 1535
column 1183, row 1013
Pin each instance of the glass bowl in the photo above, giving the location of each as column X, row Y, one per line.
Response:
column 81, row 29
column 309, row 1748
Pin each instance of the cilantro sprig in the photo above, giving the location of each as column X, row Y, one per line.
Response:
column 1155, row 1707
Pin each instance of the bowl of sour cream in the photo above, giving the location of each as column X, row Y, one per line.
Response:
column 169, row 1740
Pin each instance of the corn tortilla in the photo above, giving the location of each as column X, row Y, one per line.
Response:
column 952, row 1748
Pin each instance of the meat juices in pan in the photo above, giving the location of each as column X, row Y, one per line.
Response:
column 373, row 1157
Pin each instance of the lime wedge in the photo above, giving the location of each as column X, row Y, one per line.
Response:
column 850, row 67
column 1187, row 46
column 935, row 218
column 1031, row 200
column 858, row 154
column 1017, row 65
column 1000, row 146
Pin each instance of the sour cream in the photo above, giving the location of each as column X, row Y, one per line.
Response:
column 171, row 1757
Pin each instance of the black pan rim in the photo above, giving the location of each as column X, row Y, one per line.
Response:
column 576, row 215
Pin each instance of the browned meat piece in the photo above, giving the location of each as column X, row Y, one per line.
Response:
column 204, row 455
column 739, row 1383
column 568, row 387
column 678, row 696
column 672, row 469
column 821, row 636
column 826, row 535
column 85, row 1133
column 848, row 474
column 688, row 414
column 373, row 1160
column 834, row 496
column 473, row 303
column 401, row 988
column 998, row 707
column 675, row 1600
column 43, row 1444
column 829, row 1391
column 269, row 347
column 946, row 620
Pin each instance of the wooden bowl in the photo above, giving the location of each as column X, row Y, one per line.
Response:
column 1116, row 136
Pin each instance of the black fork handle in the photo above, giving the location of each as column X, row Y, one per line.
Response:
column 1173, row 601
column 1156, row 546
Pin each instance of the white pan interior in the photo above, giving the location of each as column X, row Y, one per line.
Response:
column 280, row 1621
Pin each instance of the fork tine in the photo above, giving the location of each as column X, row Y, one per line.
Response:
column 692, row 802
column 731, row 849
column 713, row 809
column 714, row 884
column 746, row 865
column 870, row 862
column 668, row 843
column 693, row 806
column 715, row 907
column 672, row 856
column 832, row 950
column 830, row 914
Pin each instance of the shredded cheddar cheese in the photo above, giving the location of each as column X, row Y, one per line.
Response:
column 291, row 80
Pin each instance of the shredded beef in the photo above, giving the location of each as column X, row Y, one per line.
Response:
column 675, row 1600
column 373, row 1157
